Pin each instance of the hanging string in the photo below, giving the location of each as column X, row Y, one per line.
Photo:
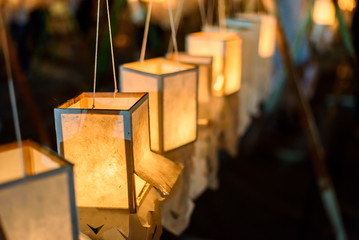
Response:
column 177, row 22
column 210, row 10
column 96, row 49
column 173, row 31
column 12, row 91
column 145, row 34
column 113, row 60
column 202, row 11
column 221, row 15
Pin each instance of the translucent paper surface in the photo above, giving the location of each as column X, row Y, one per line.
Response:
column 38, row 206
column 172, row 91
column 154, row 168
column 37, row 209
column 204, row 64
column 225, row 47
column 94, row 140
column 95, row 144
column 180, row 108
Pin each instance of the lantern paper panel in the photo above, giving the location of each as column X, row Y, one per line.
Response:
column 225, row 47
column 172, row 91
column 109, row 144
column 41, row 205
column 204, row 64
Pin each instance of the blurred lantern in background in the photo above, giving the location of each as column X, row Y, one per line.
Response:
column 40, row 205
column 347, row 7
column 172, row 88
column 257, row 32
column 324, row 12
column 114, row 164
column 324, row 24
column 225, row 48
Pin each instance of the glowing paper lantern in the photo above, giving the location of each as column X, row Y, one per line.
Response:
column 347, row 5
column 267, row 36
column 225, row 47
column 172, row 91
column 110, row 148
column 204, row 64
column 41, row 205
column 324, row 12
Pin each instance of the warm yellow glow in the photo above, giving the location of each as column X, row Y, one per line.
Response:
column 41, row 204
column 324, row 12
column 172, row 91
column 225, row 48
column 109, row 145
column 267, row 36
column 204, row 64
column 347, row 5
column 218, row 85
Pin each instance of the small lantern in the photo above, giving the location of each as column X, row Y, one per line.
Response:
column 110, row 148
column 267, row 36
column 172, row 91
column 347, row 5
column 41, row 205
column 204, row 64
column 324, row 12
column 225, row 47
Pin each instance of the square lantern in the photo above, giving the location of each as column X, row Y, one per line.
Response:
column 225, row 47
column 109, row 145
column 172, row 88
column 204, row 64
column 40, row 205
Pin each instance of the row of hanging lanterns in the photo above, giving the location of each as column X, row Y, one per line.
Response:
column 120, row 143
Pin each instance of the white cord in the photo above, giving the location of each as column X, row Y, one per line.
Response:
column 202, row 11
column 145, row 34
column 113, row 61
column 173, row 31
column 96, row 49
column 12, row 92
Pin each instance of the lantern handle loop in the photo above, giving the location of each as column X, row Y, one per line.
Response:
column 15, row 114
column 177, row 21
column 202, row 11
column 113, row 60
column 145, row 34
column 96, row 50
column 173, row 31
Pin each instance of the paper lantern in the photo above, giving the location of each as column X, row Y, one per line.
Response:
column 109, row 145
column 267, row 36
column 347, row 5
column 172, row 91
column 204, row 64
column 225, row 47
column 324, row 12
column 41, row 205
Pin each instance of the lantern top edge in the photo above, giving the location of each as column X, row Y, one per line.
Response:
column 62, row 164
column 108, row 101
column 216, row 35
column 155, row 67
column 191, row 59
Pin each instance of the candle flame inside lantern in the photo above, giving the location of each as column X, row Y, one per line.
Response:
column 218, row 85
